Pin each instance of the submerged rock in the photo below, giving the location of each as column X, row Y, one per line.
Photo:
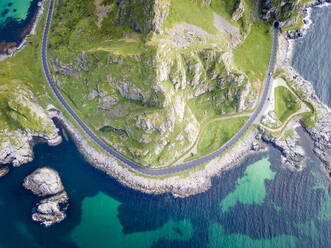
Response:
column 3, row 171
column 43, row 182
column 51, row 210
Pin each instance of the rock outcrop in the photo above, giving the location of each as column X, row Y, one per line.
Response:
column 238, row 13
column 3, row 171
column 47, row 182
column 51, row 210
column 144, row 16
column 43, row 182
column 32, row 125
column 293, row 154
column 321, row 135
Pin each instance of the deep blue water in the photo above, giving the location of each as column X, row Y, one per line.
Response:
column 312, row 53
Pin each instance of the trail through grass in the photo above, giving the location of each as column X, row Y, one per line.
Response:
column 218, row 133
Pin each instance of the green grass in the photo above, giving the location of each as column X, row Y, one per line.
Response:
column 286, row 103
column 309, row 119
column 224, row 8
column 217, row 134
column 252, row 56
column 192, row 12
column 121, row 47
column 209, row 105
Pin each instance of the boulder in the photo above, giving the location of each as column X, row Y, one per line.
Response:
column 3, row 171
column 51, row 210
column 43, row 182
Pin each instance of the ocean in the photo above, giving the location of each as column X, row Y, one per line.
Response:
column 15, row 17
column 312, row 53
column 259, row 203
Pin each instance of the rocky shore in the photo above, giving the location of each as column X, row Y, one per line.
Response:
column 8, row 49
column 293, row 154
column 47, row 182
column 180, row 185
column 186, row 183
column 320, row 133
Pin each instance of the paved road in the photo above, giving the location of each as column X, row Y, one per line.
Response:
column 132, row 164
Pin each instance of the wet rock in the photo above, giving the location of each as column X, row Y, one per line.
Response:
column 43, row 182
column 46, row 182
column 321, row 135
column 293, row 154
column 51, row 210
column 3, row 171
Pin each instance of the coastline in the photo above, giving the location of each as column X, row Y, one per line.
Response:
column 305, row 27
column 31, row 30
column 198, row 180
column 321, row 132
column 180, row 185
column 193, row 182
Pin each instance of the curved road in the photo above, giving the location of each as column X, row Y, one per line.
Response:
column 175, row 168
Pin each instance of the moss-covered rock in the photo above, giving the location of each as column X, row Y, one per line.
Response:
column 22, row 120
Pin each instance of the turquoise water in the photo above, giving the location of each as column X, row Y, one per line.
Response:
column 311, row 57
column 15, row 17
column 257, row 204
column 15, row 9
column 250, row 189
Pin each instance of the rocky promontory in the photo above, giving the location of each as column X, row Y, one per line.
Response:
column 319, row 123
column 33, row 125
column 47, row 182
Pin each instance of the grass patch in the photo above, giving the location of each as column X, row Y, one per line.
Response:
column 252, row 56
column 218, row 133
column 192, row 12
column 309, row 119
column 120, row 47
column 286, row 103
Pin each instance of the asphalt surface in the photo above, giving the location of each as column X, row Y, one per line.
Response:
column 139, row 168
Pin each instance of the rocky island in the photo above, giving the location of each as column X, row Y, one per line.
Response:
column 46, row 182
column 162, row 88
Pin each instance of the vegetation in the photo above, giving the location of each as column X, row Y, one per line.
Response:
column 309, row 119
column 286, row 103
column 99, row 56
column 252, row 56
column 184, row 11
column 218, row 133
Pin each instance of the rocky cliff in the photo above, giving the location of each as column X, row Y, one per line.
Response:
column 23, row 122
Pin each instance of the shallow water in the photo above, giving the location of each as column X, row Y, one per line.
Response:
column 15, row 16
column 10, row 9
column 312, row 53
